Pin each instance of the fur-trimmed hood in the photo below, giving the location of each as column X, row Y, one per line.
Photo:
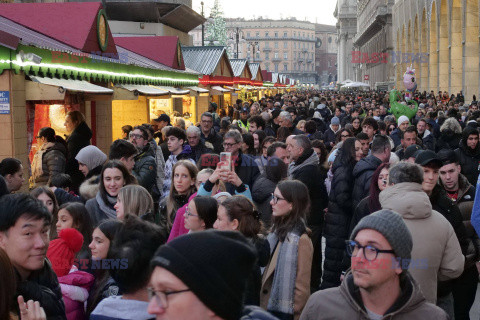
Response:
column 89, row 188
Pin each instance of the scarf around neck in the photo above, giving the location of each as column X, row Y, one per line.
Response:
column 107, row 208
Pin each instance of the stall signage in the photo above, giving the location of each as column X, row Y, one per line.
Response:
column 4, row 102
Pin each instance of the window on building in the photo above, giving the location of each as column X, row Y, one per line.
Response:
column 267, row 66
column 257, row 54
column 294, row 34
column 285, row 55
column 276, row 67
column 276, row 45
column 276, row 55
column 295, row 45
column 329, row 39
column 267, row 44
column 284, row 34
column 266, row 34
column 257, row 34
column 285, row 67
column 285, row 45
column 267, row 56
column 276, row 34
column 304, row 34
column 248, row 34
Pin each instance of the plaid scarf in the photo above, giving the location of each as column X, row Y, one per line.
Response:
column 283, row 287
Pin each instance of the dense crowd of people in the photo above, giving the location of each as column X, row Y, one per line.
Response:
column 303, row 205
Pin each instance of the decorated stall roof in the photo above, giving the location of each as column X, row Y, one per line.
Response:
column 210, row 61
column 164, row 50
column 207, row 60
column 241, row 71
column 81, row 25
column 57, row 64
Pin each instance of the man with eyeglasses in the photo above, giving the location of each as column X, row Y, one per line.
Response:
column 433, row 236
column 203, row 275
column 145, row 168
column 379, row 285
column 209, row 134
column 245, row 167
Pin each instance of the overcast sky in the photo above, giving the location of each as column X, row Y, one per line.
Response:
column 319, row 11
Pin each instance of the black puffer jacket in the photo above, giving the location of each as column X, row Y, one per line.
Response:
column 337, row 222
column 80, row 138
column 362, row 173
column 145, row 168
column 42, row 286
column 312, row 177
column 215, row 139
column 469, row 158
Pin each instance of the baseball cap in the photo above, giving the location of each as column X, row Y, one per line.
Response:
column 425, row 157
column 411, row 151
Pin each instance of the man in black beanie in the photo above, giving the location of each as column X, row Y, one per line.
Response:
column 203, row 275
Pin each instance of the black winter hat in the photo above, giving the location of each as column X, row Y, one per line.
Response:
column 215, row 265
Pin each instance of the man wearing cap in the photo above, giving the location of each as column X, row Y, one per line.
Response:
column 434, row 240
column 403, row 123
column 379, row 285
column 158, row 124
column 330, row 134
column 243, row 122
column 410, row 153
column 203, row 275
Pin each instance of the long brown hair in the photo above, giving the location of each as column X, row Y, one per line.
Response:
column 172, row 205
column 296, row 193
column 8, row 285
column 241, row 208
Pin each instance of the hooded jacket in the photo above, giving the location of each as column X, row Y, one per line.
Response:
column 329, row 136
column 344, row 302
column 448, row 140
column 362, row 173
column 434, row 240
column 115, row 307
column 469, row 159
column 337, row 222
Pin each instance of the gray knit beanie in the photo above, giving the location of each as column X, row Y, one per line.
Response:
column 391, row 225
column 91, row 156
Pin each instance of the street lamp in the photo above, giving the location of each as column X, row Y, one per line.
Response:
column 254, row 45
column 203, row 27
column 235, row 35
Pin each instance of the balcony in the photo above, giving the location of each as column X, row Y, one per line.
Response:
column 267, row 49
column 276, row 59
column 304, row 50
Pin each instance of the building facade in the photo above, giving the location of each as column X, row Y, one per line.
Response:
column 346, row 14
column 445, row 34
column 283, row 46
column 326, row 49
column 373, row 43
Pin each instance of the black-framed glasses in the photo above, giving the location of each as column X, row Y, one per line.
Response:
column 229, row 145
column 161, row 296
column 369, row 252
column 135, row 135
column 277, row 198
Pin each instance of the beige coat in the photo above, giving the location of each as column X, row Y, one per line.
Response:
column 436, row 253
column 302, row 283
column 343, row 303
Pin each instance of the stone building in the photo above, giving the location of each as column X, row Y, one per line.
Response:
column 346, row 14
column 283, row 46
column 373, row 43
column 326, row 49
column 443, row 36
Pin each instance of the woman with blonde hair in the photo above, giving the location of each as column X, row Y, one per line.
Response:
column 134, row 200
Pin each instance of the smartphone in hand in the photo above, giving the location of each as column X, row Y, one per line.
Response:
column 226, row 160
